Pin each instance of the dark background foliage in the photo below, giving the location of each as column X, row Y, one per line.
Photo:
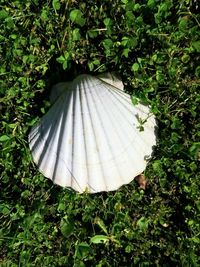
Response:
column 154, row 45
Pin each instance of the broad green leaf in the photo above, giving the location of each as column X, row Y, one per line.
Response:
column 135, row 67
column 160, row 76
column 61, row 59
column 82, row 250
column 183, row 24
column 66, row 226
column 76, row 16
column 98, row 239
column 4, row 138
column 4, row 209
column 91, row 66
column 56, row 4
column 92, row 33
column 44, row 15
column 151, row 3
column 65, row 65
column 3, row 14
column 135, row 100
column 108, row 43
column 126, row 52
column 107, row 22
column 76, row 36
column 142, row 223
column 196, row 45
column 96, row 62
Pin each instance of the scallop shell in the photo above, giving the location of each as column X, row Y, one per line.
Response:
column 91, row 138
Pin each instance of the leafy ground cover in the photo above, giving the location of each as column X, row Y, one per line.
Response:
column 155, row 46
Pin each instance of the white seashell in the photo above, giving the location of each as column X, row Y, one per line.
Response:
column 112, row 79
column 90, row 138
column 58, row 89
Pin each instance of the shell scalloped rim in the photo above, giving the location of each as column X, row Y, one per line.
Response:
column 91, row 139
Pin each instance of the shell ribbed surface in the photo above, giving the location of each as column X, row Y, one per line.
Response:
column 90, row 138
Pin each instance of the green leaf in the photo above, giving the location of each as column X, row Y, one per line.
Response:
column 197, row 72
column 44, row 15
column 101, row 224
column 91, row 66
column 82, row 250
column 96, row 62
column 157, row 166
column 135, row 100
column 3, row 14
column 160, row 76
column 65, row 65
column 137, row 7
column 76, row 36
column 4, row 209
column 66, row 226
column 60, row 59
column 107, row 43
column 196, row 45
column 92, row 33
column 183, row 24
column 65, row 60
column 142, row 223
column 107, row 22
column 151, row 3
column 98, row 239
column 4, row 138
column 56, row 4
column 135, row 67
column 185, row 58
column 76, row 16
column 125, row 52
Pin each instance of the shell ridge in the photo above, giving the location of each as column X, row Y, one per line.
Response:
column 116, row 96
column 138, row 106
column 120, row 92
column 105, row 132
column 41, row 137
column 83, row 126
column 73, row 131
column 92, row 125
column 43, row 140
column 125, row 118
column 111, row 79
column 127, row 98
column 132, row 141
column 54, row 153
column 44, row 156
column 129, row 122
column 61, row 135
column 33, row 135
column 45, row 122
column 77, row 93
column 91, row 90
column 59, row 89
column 132, row 113
column 116, row 130
column 126, row 147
